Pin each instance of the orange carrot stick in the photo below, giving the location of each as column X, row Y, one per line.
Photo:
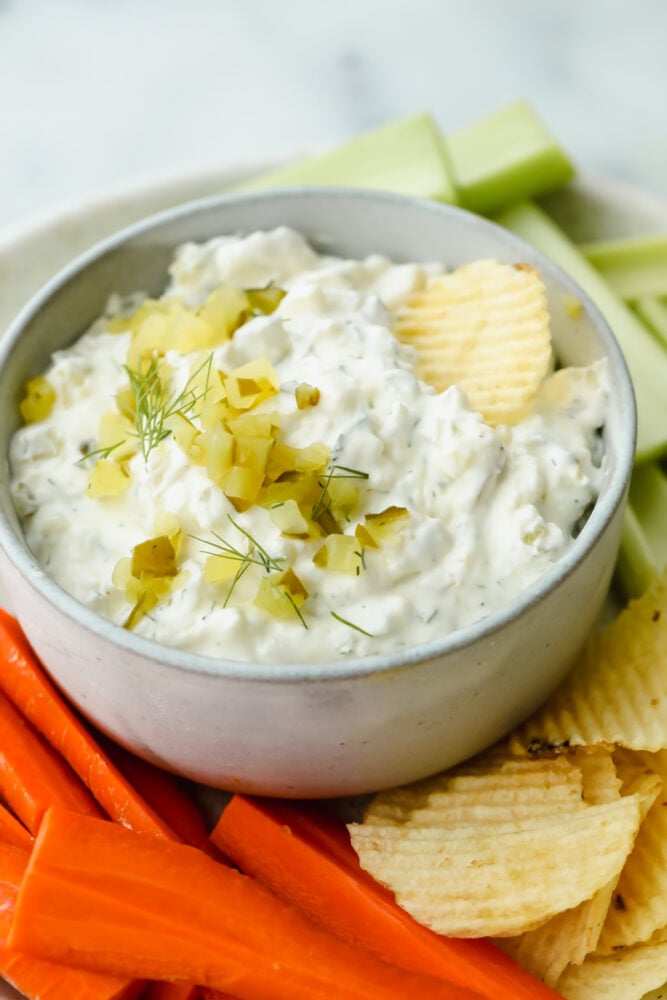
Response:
column 102, row 897
column 165, row 794
column 32, row 775
column 12, row 832
column 171, row 991
column 306, row 858
column 23, row 680
column 39, row 979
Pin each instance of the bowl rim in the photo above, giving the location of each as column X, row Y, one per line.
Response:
column 13, row 547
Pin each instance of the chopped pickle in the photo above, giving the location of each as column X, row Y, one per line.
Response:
column 312, row 458
column 221, row 568
column 183, row 430
column 169, row 525
column 382, row 527
column 261, row 425
column 281, row 462
column 116, row 435
column 288, row 517
column 126, row 402
column 225, row 310
column 154, row 557
column 176, row 329
column 252, row 452
column 38, row 400
column 214, row 412
column 306, row 395
column 343, row 495
column 251, row 384
column 242, row 486
column 340, row 554
column 219, row 454
column 107, row 479
column 282, row 595
column 264, row 301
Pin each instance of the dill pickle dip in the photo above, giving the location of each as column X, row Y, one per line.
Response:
column 250, row 468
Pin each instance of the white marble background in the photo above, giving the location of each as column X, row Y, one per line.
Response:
column 97, row 92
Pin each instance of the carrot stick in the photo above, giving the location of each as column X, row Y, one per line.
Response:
column 102, row 897
column 12, row 832
column 39, row 979
column 166, row 795
column 171, row 991
column 32, row 775
column 306, row 858
column 23, row 680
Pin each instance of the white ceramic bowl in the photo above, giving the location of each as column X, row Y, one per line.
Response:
column 331, row 728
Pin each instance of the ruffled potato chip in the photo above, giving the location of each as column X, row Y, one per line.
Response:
column 484, row 328
column 484, row 862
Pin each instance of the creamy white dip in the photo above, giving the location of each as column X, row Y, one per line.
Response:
column 490, row 510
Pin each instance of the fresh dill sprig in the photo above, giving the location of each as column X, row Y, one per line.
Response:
column 357, row 628
column 100, row 452
column 323, row 502
column 154, row 405
column 255, row 556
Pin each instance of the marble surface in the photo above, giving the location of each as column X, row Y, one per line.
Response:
column 97, row 94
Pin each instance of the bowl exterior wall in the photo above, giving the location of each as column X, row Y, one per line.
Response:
column 355, row 734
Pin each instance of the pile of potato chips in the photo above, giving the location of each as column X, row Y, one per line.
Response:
column 555, row 842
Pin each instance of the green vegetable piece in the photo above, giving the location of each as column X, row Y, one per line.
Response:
column 635, row 567
column 38, row 400
column 264, row 301
column 154, row 557
column 406, row 156
column 634, row 267
column 648, row 499
column 282, row 595
column 653, row 314
column 508, row 156
column 645, row 357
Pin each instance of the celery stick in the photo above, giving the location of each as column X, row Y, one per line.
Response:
column 635, row 567
column 506, row 157
column 645, row 357
column 406, row 156
column 653, row 313
column 634, row 267
column 648, row 496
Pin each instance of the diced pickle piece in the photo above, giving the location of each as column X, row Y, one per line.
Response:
column 116, row 433
column 38, row 400
column 225, row 310
column 289, row 519
column 252, row 452
column 382, row 527
column 107, row 479
column 219, row 454
column 306, row 395
column 126, row 402
column 251, row 384
column 312, row 458
column 264, row 301
column 183, row 430
column 154, row 557
column 261, row 425
column 221, row 568
column 343, row 494
column 178, row 329
column 282, row 595
column 169, row 525
column 282, row 461
column 340, row 554
column 242, row 486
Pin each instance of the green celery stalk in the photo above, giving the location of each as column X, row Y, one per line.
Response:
column 407, row 156
column 635, row 567
column 645, row 357
column 505, row 157
column 653, row 313
column 634, row 267
column 648, row 497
